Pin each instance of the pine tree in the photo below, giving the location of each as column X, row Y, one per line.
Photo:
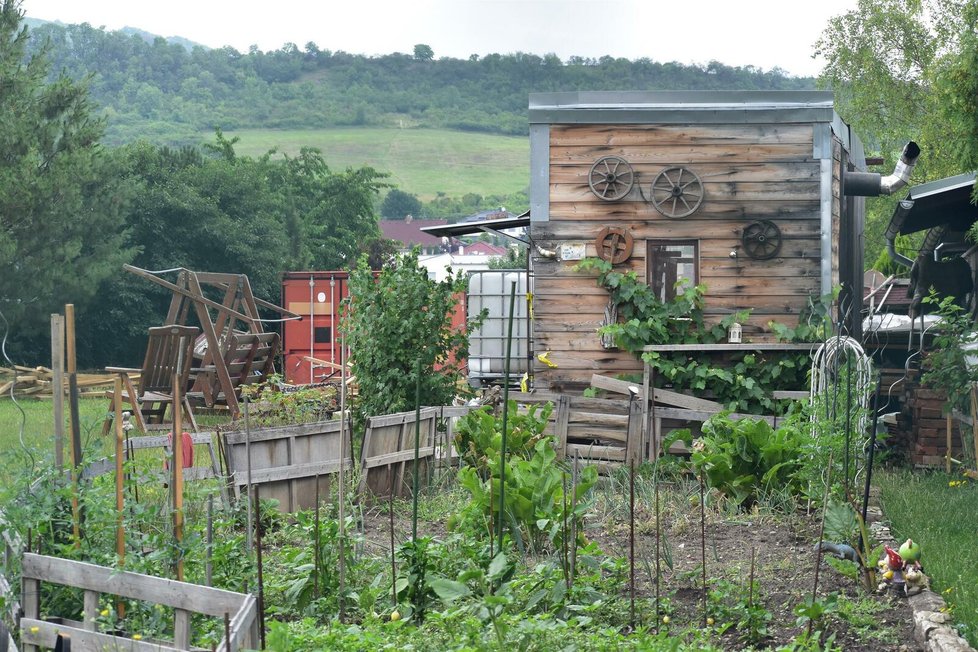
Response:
column 62, row 201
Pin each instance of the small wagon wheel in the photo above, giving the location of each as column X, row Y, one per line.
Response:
column 611, row 178
column 614, row 244
column 762, row 240
column 677, row 192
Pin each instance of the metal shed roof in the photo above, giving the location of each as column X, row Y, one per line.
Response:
column 680, row 107
column 945, row 201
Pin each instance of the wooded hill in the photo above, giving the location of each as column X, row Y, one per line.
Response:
column 169, row 93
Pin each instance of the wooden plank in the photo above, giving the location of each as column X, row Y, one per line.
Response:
column 746, row 346
column 289, row 472
column 657, row 134
column 640, row 210
column 202, row 599
column 708, row 173
column 700, row 415
column 44, row 634
column 790, row 394
column 594, row 451
column 688, row 155
column 610, row 384
column 741, row 191
column 283, row 432
column 400, row 418
column 90, row 609
column 242, row 624
column 587, row 431
column 181, row 629
column 598, row 419
column 400, row 456
column 563, row 418
column 633, row 441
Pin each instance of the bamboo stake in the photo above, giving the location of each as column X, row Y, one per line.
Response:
column 209, row 559
column 821, row 531
column 341, row 492
column 261, row 581
column 120, row 531
column 631, row 543
column 58, row 387
column 417, row 444
column 315, row 552
column 76, row 447
column 703, row 545
column 178, row 467
column 390, row 514
column 248, row 537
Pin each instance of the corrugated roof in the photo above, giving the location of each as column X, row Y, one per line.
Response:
column 945, row 201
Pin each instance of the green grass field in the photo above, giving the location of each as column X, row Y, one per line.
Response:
column 423, row 162
column 941, row 517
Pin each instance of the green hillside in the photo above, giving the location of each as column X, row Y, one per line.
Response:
column 423, row 162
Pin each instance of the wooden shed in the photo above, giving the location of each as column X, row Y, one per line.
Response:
column 738, row 191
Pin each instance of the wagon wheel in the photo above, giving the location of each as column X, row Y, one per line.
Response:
column 611, row 178
column 762, row 240
column 614, row 244
column 677, row 192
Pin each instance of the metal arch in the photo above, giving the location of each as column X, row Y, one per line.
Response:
column 761, row 240
column 611, row 178
column 677, row 192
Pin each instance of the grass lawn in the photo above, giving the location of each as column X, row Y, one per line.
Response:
column 923, row 506
column 423, row 162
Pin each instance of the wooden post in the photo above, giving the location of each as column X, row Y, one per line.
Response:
column 177, row 444
column 120, row 531
column 58, row 386
column 947, row 456
column 974, row 420
column 76, row 446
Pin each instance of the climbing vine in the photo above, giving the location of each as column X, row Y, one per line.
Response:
column 747, row 379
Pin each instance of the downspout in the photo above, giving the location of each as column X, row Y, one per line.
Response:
column 871, row 184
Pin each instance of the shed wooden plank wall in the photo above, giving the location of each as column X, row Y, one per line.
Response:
column 749, row 172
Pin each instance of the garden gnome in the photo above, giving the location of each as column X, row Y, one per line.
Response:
column 893, row 566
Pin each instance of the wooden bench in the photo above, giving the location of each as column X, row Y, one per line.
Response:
column 247, row 359
column 169, row 351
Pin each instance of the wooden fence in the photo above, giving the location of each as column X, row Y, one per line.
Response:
column 388, row 448
column 183, row 598
column 285, row 461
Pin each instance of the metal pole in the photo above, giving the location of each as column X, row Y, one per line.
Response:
column 341, row 492
column 261, row 581
column 209, row 562
column 312, row 330
column 417, row 444
column 248, row 543
column 502, row 451
column 631, row 543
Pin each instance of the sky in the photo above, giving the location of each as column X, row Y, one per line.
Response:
column 761, row 33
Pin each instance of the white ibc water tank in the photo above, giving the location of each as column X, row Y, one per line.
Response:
column 490, row 290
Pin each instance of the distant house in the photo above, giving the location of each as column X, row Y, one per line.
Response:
column 408, row 232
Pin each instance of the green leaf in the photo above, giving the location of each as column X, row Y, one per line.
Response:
column 448, row 590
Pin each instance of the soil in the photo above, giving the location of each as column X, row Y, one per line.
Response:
column 784, row 570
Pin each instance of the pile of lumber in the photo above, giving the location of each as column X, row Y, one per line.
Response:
column 38, row 382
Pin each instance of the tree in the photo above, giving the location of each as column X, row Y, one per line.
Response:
column 62, row 200
column 398, row 204
column 397, row 321
column 423, row 52
column 888, row 62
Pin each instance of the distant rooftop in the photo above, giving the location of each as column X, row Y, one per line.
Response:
column 409, row 233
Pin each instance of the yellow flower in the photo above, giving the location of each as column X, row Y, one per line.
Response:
column 104, row 612
column 35, row 629
column 137, row 637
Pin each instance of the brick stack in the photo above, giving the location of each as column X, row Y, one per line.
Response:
column 928, row 424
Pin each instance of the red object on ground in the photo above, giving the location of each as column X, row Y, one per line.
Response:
column 187, row 449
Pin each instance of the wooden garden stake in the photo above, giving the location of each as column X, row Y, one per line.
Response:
column 315, row 552
column 261, row 580
column 502, row 451
column 247, row 421
column 573, row 524
column 703, row 544
column 658, row 535
column 750, row 588
column 821, row 531
column 120, row 531
column 58, row 387
column 209, row 559
column 974, row 420
column 417, row 445
column 177, row 465
column 947, row 456
column 631, row 543
column 76, row 446
column 390, row 514
column 341, row 491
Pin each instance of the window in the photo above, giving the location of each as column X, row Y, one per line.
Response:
column 669, row 262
